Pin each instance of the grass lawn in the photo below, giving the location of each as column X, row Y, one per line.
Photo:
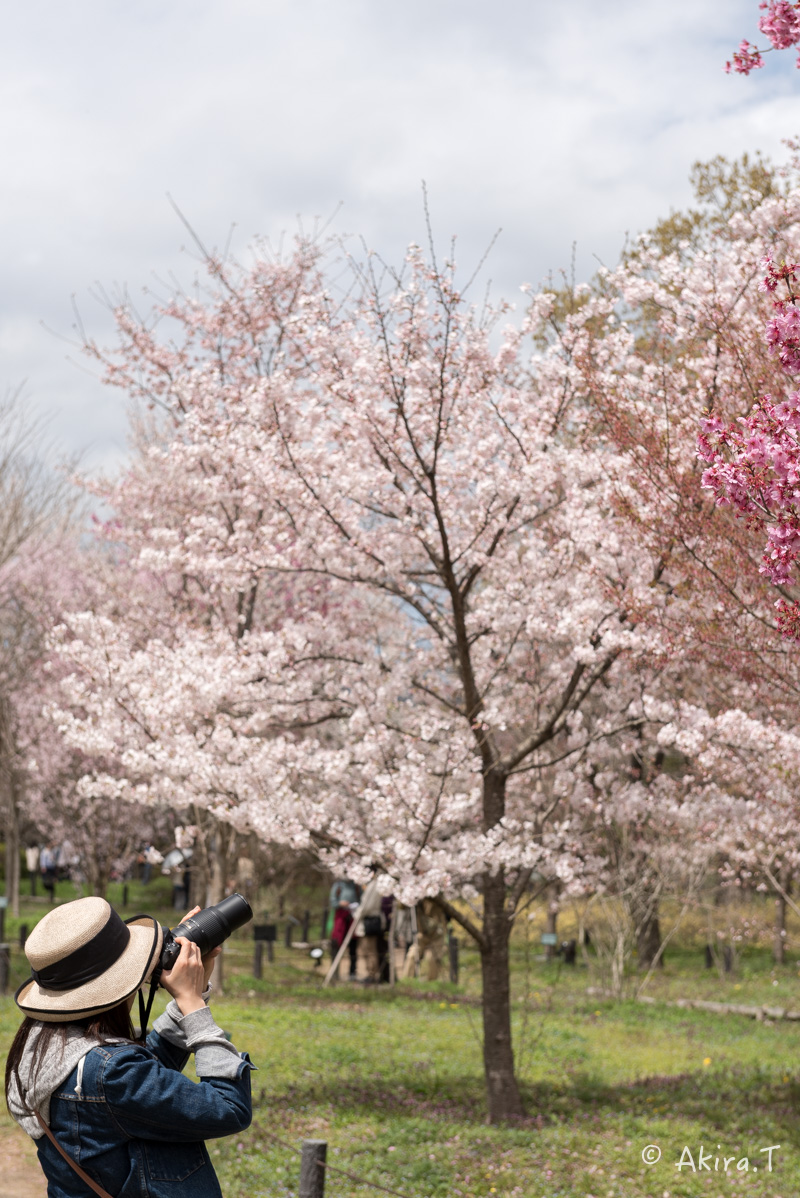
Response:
column 393, row 1082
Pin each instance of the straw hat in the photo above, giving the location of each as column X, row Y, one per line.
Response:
column 85, row 960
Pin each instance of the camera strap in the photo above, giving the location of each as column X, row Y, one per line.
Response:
column 144, row 1011
column 84, row 1176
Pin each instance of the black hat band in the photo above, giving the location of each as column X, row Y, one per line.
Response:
column 89, row 961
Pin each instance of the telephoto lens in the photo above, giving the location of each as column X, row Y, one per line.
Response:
column 208, row 928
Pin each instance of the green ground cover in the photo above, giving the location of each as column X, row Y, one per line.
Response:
column 393, row 1081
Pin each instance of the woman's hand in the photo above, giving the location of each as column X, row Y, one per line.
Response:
column 209, row 958
column 186, row 981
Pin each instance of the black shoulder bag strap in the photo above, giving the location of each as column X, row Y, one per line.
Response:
column 70, row 1161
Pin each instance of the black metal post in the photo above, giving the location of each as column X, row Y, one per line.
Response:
column 323, row 931
column 306, row 922
column 23, row 934
column 452, row 948
column 312, row 1169
column 125, row 895
column 288, row 937
column 270, row 951
column 5, row 966
column 3, row 920
column 258, row 958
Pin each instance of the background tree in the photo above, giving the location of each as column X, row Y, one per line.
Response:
column 37, row 504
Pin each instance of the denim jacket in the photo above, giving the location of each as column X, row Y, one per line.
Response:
column 136, row 1125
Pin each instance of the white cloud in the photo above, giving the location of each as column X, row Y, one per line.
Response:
column 559, row 122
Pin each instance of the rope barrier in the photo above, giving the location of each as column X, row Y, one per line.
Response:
column 327, row 1165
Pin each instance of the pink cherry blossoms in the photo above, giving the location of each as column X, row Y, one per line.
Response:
column 754, row 462
column 780, row 24
column 746, row 59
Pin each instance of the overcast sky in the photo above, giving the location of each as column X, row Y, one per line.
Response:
column 559, row 121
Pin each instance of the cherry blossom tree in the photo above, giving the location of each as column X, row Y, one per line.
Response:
column 668, row 335
column 393, row 579
column 753, row 461
column 53, row 799
column 36, row 506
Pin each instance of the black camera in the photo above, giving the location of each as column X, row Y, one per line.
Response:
column 208, row 928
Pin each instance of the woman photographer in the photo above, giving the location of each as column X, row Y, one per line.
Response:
column 111, row 1115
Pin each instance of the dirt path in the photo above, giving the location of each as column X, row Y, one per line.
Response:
column 20, row 1173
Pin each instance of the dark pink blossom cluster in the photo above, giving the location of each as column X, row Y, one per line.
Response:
column 781, row 23
column 783, row 330
column 786, row 272
column 783, row 337
column 754, row 466
column 746, row 59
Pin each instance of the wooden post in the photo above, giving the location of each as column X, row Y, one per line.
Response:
column 709, row 957
column 258, row 958
column 306, row 921
column 312, row 1169
column 452, row 948
column 5, row 966
column 23, row 934
column 288, row 936
column 323, row 931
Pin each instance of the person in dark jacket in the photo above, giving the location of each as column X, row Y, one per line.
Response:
column 342, row 919
column 89, row 1093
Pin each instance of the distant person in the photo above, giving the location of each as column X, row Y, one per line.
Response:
column 432, row 938
column 404, row 944
column 149, row 857
column 68, row 861
column 32, row 865
column 48, row 868
column 342, row 920
column 370, row 928
column 343, row 890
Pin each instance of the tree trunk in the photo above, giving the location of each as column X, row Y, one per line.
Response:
column 648, row 941
column 221, row 852
column 779, row 939
column 642, row 908
column 9, row 783
column 502, row 1092
column 12, row 846
column 221, row 846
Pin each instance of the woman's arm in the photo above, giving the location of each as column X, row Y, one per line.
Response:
column 149, row 1101
column 188, row 983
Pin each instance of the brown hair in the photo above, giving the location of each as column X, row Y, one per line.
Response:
column 107, row 1026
